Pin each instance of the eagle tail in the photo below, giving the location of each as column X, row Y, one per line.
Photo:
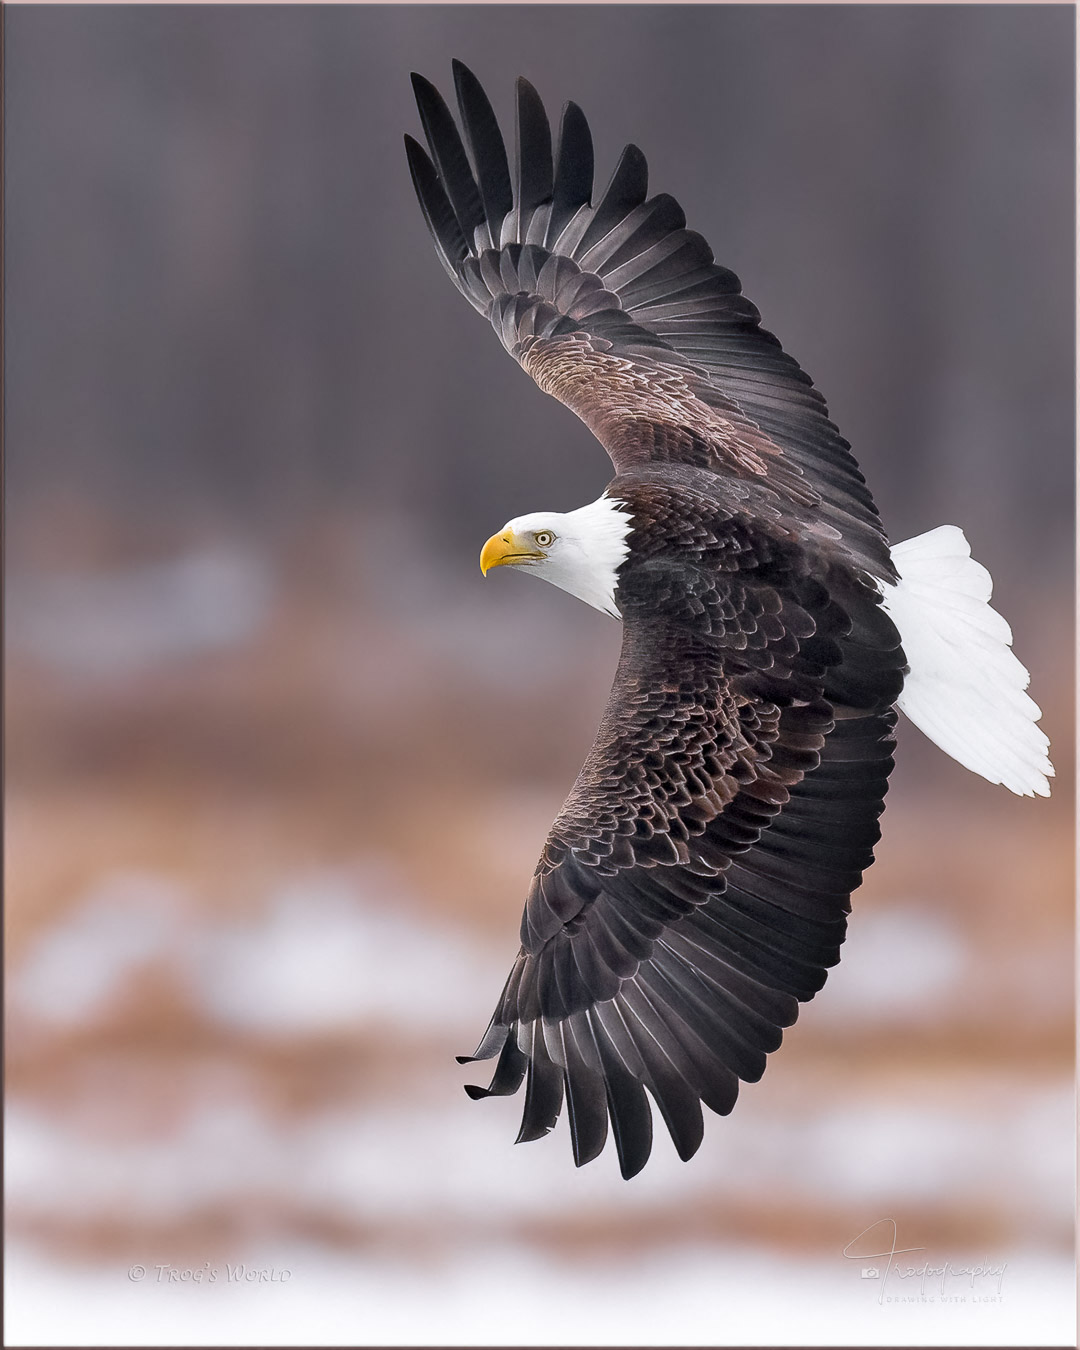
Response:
column 965, row 689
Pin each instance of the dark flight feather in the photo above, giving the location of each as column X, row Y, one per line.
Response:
column 488, row 151
column 572, row 187
column 442, row 222
column 534, row 166
column 448, row 156
column 627, row 189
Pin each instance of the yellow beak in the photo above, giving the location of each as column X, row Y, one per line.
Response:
column 503, row 549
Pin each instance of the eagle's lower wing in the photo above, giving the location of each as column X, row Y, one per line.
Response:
column 619, row 311
column 695, row 885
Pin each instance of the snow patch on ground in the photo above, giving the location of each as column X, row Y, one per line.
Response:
column 75, row 969
column 512, row 1295
column 440, row 1157
column 328, row 949
column 899, row 963
column 326, row 953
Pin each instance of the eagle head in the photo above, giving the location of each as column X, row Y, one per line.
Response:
column 579, row 551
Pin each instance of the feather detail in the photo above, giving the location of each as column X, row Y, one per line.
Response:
column 965, row 689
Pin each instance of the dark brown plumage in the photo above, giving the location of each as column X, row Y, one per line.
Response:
column 694, row 887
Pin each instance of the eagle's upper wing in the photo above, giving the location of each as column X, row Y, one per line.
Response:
column 619, row 311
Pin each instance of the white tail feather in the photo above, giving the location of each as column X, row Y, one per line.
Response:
column 965, row 688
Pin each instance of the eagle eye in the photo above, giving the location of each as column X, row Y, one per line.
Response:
column 544, row 538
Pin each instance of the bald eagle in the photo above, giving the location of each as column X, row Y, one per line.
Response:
column 694, row 888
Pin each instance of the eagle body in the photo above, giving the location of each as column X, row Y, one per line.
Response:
column 694, row 888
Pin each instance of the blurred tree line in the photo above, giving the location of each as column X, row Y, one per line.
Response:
column 221, row 298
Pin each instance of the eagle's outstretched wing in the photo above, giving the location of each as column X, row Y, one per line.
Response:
column 620, row 312
column 694, row 887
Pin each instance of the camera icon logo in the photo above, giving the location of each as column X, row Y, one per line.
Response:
column 871, row 1273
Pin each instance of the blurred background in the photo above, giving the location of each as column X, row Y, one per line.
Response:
column 280, row 763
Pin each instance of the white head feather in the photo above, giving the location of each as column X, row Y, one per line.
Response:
column 586, row 550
